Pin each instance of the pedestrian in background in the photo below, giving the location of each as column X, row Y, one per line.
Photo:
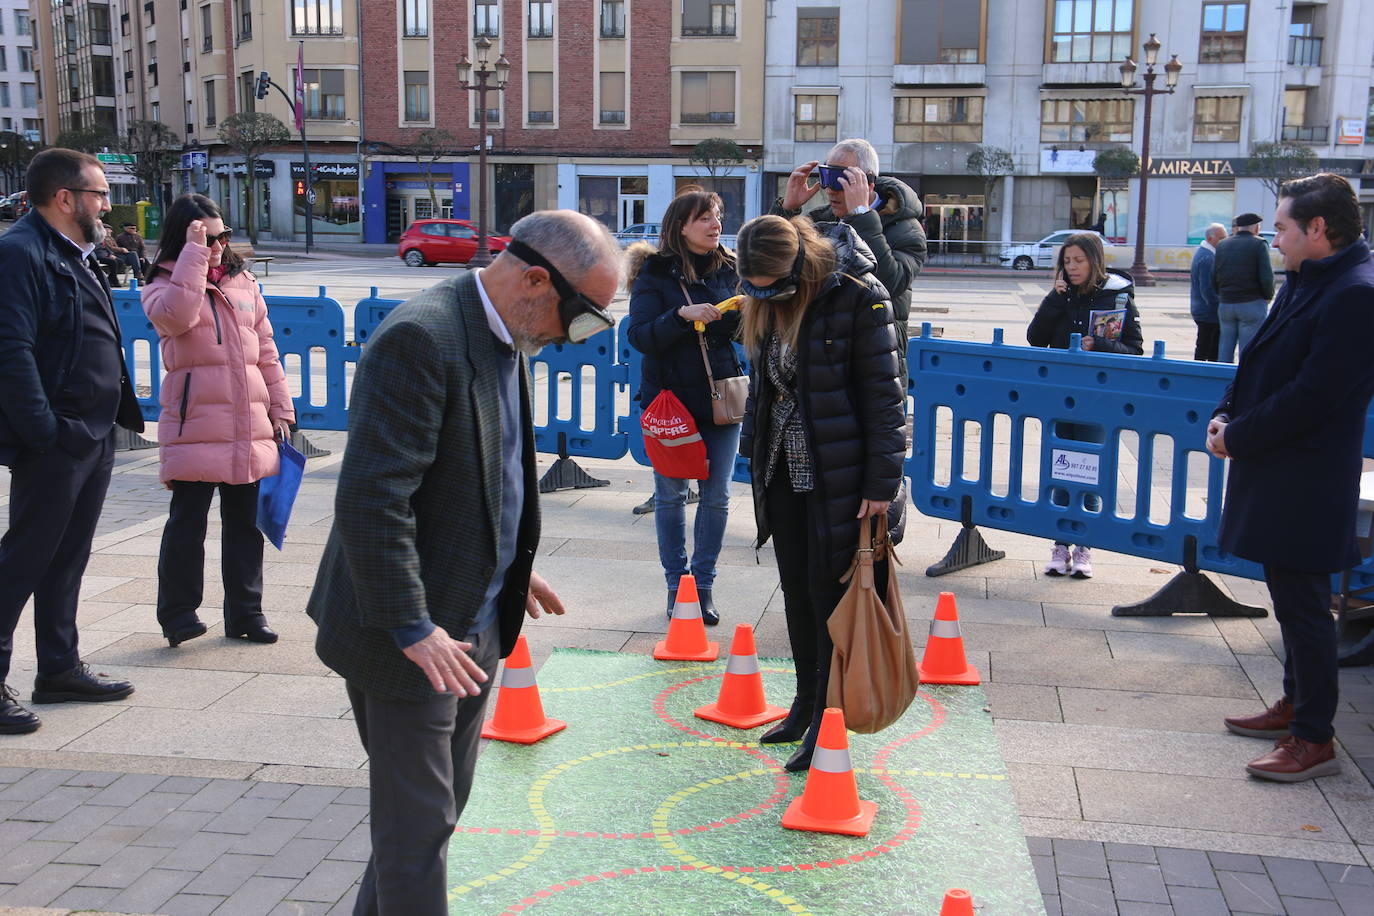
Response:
column 823, row 430
column 63, row 387
column 428, row 572
column 137, row 249
column 671, row 288
column 1244, row 280
column 1083, row 284
column 225, row 405
column 1202, row 300
column 1292, row 422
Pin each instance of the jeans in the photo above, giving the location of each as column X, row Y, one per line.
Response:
column 1239, row 322
column 670, row 510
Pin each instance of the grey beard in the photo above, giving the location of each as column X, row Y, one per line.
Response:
column 526, row 344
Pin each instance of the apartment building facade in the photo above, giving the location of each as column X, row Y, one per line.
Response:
column 604, row 101
column 18, row 79
column 928, row 81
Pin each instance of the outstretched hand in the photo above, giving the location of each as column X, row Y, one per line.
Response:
column 445, row 661
column 196, row 232
column 799, row 187
column 542, row 599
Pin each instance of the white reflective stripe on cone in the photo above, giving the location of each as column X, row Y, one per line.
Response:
column 945, row 629
column 831, row 760
column 742, row 664
column 517, row 677
column 686, row 610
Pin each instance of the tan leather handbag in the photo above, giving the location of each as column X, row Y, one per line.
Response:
column 728, row 396
column 873, row 674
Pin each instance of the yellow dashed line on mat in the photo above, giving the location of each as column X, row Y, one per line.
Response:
column 931, row 774
column 697, row 668
column 665, row 838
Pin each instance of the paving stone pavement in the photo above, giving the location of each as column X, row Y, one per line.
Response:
column 232, row 780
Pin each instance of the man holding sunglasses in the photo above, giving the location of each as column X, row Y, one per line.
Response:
column 885, row 213
column 428, row 570
column 63, row 387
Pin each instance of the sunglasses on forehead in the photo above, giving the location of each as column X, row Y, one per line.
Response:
column 581, row 316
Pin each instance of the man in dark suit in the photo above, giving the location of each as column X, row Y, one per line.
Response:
column 428, row 570
column 63, row 387
column 1292, row 423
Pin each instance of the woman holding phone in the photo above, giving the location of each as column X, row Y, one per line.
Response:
column 1098, row 303
column 225, row 402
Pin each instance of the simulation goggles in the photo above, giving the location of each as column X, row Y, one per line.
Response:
column 830, row 176
column 581, row 317
column 782, row 286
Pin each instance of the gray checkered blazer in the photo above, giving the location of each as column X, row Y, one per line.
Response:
column 416, row 515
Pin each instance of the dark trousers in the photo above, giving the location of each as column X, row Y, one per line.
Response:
column 421, row 757
column 1302, row 607
column 55, row 503
column 181, row 564
column 1208, row 341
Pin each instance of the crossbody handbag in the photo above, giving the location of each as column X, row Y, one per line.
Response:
column 728, row 395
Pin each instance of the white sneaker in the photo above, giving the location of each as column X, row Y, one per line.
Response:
column 1081, row 567
column 1059, row 561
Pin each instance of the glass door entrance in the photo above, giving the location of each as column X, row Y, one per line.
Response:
column 632, row 209
column 953, row 223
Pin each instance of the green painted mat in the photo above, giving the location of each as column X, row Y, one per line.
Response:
column 640, row 807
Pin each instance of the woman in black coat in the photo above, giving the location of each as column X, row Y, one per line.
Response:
column 823, row 430
column 1084, row 284
column 670, row 290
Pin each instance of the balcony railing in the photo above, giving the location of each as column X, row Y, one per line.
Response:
column 1304, row 52
column 1306, row 134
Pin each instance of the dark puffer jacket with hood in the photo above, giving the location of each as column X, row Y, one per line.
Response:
column 672, row 351
column 893, row 233
column 1066, row 313
column 850, row 399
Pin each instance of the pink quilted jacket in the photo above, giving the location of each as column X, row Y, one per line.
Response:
column 224, row 383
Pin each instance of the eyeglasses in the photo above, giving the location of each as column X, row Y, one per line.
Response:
column 581, row 316
column 103, row 193
column 222, row 238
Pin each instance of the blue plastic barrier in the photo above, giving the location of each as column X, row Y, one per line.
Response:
column 312, row 329
column 369, row 313
column 1163, row 404
column 563, row 368
column 134, row 327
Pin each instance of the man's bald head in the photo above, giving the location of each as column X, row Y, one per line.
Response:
column 1215, row 233
column 576, row 244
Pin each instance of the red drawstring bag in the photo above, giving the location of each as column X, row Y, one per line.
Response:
column 671, row 439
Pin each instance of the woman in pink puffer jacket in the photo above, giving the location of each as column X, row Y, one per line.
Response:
column 225, row 402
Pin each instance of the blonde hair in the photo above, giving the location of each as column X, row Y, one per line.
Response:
column 768, row 246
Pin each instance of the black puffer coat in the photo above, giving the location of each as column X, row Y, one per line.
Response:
column 1063, row 314
column 672, row 353
column 850, row 399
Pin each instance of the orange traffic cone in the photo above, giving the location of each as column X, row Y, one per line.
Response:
column 686, row 640
column 519, row 715
column 830, row 802
column 944, row 661
column 958, row 902
column 741, row 703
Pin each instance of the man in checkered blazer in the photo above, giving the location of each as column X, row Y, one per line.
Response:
column 427, row 574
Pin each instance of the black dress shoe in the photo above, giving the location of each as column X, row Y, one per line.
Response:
column 253, row 632
column 15, row 719
column 80, row 684
column 801, row 758
column 188, row 632
column 794, row 726
column 672, row 601
column 708, row 607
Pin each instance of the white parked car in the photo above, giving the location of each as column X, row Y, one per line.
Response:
column 1041, row 253
column 639, row 232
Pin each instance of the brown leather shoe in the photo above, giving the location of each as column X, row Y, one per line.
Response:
column 1293, row 760
column 1272, row 723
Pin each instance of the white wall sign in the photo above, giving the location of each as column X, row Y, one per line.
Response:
column 1078, row 467
column 1067, row 160
column 1350, row 131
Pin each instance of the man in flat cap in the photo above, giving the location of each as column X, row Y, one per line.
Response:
column 1244, row 280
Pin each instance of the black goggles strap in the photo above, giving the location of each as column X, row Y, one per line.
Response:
column 527, row 254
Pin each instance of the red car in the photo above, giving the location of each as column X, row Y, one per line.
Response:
column 444, row 241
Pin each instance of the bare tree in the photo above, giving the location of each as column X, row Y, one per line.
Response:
column 1275, row 163
column 154, row 147
column 428, row 147
column 715, row 154
column 249, row 133
column 991, row 164
column 93, row 139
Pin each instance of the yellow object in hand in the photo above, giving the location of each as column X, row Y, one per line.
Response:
column 729, row 305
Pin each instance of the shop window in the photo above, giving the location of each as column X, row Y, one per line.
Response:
column 612, row 98
column 599, row 198
column 815, row 117
column 417, row 95
column 1216, row 119
column 1091, row 31
column 818, row 37
column 1223, row 33
column 1086, row 120
column 708, row 98
column 336, row 203
column 415, row 18
column 541, row 18
column 1210, row 200
column 957, row 119
column 540, row 88
column 731, row 191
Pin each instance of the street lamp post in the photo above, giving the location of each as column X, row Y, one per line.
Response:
column 1139, row 271
column 486, row 80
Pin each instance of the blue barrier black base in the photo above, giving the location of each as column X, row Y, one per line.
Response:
column 126, row 440
column 306, row 447
column 1356, row 645
column 566, row 475
column 969, row 549
column 649, row 505
column 1189, row 593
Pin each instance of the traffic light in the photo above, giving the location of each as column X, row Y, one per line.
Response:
column 300, row 189
column 264, row 83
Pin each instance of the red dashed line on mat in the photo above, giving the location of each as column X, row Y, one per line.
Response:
column 552, row 889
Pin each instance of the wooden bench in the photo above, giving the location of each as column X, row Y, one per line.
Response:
column 245, row 251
